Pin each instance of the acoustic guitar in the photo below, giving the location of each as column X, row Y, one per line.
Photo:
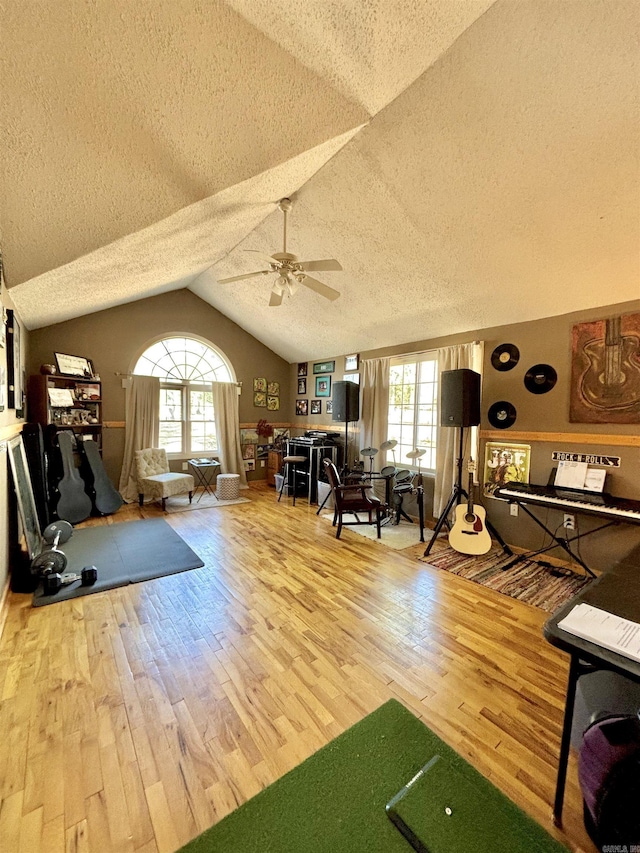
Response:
column 73, row 503
column 469, row 534
column 106, row 498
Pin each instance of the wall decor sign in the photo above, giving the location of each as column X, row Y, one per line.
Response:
column 324, row 367
column 73, row 365
column 505, row 462
column 589, row 458
column 605, row 371
column 323, row 386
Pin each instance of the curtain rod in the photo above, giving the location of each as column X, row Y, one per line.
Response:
column 130, row 375
column 422, row 351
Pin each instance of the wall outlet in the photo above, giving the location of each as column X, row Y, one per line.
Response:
column 569, row 522
column 185, row 466
column 513, row 509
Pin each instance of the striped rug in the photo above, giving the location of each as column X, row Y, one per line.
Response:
column 528, row 581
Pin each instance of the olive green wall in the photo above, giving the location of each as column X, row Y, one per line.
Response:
column 113, row 340
column 546, row 341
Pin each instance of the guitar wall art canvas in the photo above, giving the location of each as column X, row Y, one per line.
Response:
column 605, row 371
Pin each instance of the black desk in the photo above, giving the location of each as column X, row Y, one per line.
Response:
column 617, row 591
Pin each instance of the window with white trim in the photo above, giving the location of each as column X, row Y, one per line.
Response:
column 186, row 368
column 413, row 408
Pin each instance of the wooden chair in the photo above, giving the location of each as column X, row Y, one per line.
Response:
column 155, row 480
column 351, row 500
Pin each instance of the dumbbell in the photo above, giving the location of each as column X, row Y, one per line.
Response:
column 52, row 583
column 53, row 559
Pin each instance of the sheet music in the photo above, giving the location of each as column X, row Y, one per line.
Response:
column 605, row 629
column 571, row 475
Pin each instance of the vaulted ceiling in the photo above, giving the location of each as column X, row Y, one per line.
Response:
column 470, row 163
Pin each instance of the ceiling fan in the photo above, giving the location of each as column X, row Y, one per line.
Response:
column 289, row 270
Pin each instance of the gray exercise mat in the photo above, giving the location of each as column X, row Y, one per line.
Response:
column 123, row 553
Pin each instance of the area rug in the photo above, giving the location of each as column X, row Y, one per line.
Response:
column 180, row 503
column 334, row 802
column 396, row 536
column 528, row 581
column 123, row 553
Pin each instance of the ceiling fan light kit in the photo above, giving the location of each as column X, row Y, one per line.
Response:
column 290, row 271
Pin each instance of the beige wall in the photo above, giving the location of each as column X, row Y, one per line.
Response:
column 539, row 417
column 113, row 340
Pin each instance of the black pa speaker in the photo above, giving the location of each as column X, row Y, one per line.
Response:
column 346, row 401
column 460, row 398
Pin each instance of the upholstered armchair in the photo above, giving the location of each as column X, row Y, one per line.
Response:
column 154, row 478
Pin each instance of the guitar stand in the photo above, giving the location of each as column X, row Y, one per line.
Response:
column 456, row 497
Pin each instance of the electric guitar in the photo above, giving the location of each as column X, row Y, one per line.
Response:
column 469, row 534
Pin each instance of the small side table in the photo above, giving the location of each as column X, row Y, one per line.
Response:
column 203, row 470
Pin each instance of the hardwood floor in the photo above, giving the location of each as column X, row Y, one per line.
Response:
column 133, row 719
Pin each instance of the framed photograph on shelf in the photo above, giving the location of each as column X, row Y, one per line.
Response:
column 351, row 362
column 324, row 367
column 302, row 407
column 73, row 365
column 316, row 407
column 323, row 386
column 302, row 386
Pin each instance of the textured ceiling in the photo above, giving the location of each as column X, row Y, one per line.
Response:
column 470, row 163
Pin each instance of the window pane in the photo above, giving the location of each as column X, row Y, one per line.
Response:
column 170, row 404
column 413, row 410
column 171, row 436
column 203, row 437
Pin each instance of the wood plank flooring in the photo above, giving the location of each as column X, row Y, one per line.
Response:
column 133, row 719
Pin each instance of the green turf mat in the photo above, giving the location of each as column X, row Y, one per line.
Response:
column 334, row 802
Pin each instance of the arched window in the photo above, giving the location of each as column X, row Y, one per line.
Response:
column 186, row 367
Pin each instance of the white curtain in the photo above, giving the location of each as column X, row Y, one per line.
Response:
column 225, row 404
column 142, row 424
column 448, row 438
column 374, row 408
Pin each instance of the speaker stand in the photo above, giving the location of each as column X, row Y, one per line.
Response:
column 457, row 494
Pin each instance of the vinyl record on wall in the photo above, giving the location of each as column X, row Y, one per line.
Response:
column 502, row 414
column 540, row 378
column 505, row 357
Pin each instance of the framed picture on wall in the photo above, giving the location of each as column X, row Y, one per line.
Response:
column 316, row 407
column 302, row 368
column 351, row 362
column 302, row 386
column 324, row 367
column 14, row 365
column 323, row 386
column 302, row 407
column 329, row 407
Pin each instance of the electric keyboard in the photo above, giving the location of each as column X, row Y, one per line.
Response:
column 602, row 504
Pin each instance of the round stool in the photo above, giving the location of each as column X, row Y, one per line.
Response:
column 228, row 487
column 292, row 461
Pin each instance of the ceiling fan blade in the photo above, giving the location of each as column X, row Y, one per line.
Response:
column 276, row 298
column 319, row 287
column 321, row 266
column 241, row 277
column 263, row 255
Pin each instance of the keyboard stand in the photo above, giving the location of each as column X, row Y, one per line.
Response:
column 563, row 543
